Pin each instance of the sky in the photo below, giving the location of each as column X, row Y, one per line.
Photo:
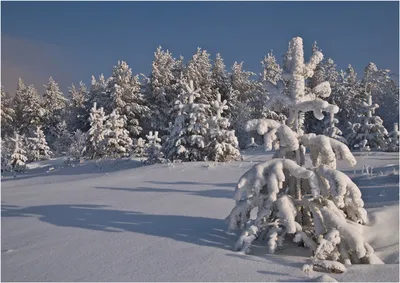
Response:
column 71, row 41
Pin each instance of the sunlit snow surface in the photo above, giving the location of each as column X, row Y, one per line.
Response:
column 121, row 221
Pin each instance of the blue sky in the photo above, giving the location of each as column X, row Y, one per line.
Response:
column 73, row 40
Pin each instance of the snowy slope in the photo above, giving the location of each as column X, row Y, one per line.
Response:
column 126, row 222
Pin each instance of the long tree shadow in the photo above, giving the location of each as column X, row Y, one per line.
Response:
column 107, row 166
column 212, row 193
column 195, row 230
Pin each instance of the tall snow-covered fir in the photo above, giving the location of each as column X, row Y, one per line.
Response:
column 96, row 135
column 55, row 109
column 125, row 95
column 315, row 205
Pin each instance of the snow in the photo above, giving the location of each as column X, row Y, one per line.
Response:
column 122, row 221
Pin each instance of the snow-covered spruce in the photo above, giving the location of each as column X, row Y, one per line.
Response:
column 18, row 157
column 368, row 132
column 153, row 149
column 139, row 147
column 77, row 148
column 187, row 141
column 315, row 205
column 393, row 141
column 37, row 146
column 223, row 144
column 96, row 135
column 117, row 141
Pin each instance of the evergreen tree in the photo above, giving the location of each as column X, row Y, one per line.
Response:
column 324, row 72
column 98, row 93
column 272, row 73
column 243, row 101
column 6, row 146
column 199, row 71
column 124, row 91
column 78, row 145
column 139, row 148
column 117, row 141
column 7, row 114
column 316, row 205
column 28, row 109
column 368, row 131
column 223, row 144
column 95, row 144
column 187, row 139
column 221, row 82
column 18, row 157
column 393, row 141
column 79, row 112
column 153, row 149
column 63, row 138
column 162, row 89
column 55, row 106
column 37, row 148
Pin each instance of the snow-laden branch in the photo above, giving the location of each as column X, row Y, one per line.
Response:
column 268, row 174
column 325, row 150
column 275, row 134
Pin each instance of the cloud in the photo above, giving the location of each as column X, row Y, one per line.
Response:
column 34, row 62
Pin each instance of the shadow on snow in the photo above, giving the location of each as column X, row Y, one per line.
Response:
column 195, row 230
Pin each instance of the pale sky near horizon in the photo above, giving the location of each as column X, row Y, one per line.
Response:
column 73, row 40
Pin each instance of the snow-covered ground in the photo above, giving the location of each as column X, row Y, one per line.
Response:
column 121, row 221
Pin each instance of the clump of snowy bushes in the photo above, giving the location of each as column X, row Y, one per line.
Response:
column 318, row 206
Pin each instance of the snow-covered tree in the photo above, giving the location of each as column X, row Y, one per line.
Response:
column 272, row 73
column 367, row 131
column 221, row 82
column 318, row 205
column 153, row 149
column 117, row 141
column 79, row 112
column 199, row 70
column 125, row 97
column 78, row 145
column 27, row 105
column 187, row 140
column 98, row 93
column 18, row 157
column 244, row 100
column 55, row 107
column 6, row 145
column 139, row 147
column 63, row 138
column 223, row 144
column 7, row 113
column 393, row 140
column 37, row 148
column 388, row 99
column 162, row 89
column 96, row 135
column 324, row 72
